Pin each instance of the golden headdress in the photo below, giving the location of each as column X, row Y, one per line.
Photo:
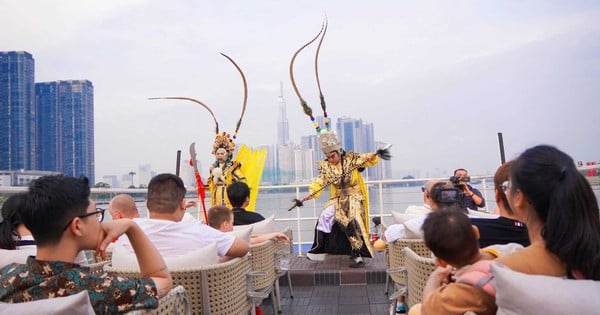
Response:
column 223, row 139
column 327, row 138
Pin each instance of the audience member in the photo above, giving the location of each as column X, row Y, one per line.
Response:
column 123, row 206
column 453, row 241
column 63, row 221
column 561, row 212
column 166, row 207
column 428, row 201
column 239, row 197
column 506, row 228
column 16, row 241
column 469, row 196
column 13, row 232
column 221, row 218
column 439, row 196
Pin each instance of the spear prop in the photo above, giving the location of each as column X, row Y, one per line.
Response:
column 199, row 183
column 383, row 153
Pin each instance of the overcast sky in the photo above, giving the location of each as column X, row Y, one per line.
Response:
column 439, row 80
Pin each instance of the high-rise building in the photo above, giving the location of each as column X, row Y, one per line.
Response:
column 283, row 128
column 17, row 111
column 65, row 126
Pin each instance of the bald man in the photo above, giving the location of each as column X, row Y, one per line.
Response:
column 123, row 206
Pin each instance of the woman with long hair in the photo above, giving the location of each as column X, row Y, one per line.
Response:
column 11, row 227
column 561, row 212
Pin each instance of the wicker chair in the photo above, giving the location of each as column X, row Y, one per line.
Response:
column 396, row 262
column 215, row 289
column 175, row 302
column 418, row 268
column 262, row 256
column 284, row 249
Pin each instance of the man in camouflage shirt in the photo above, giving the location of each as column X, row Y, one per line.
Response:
column 64, row 221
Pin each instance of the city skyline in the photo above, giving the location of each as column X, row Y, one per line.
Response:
column 439, row 80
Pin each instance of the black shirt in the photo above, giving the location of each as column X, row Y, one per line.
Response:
column 500, row 230
column 243, row 217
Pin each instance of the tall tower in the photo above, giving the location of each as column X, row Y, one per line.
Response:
column 283, row 128
column 66, row 124
column 17, row 111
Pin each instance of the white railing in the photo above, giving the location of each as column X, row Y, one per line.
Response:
column 384, row 196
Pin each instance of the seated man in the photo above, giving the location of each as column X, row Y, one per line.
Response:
column 239, row 197
column 453, row 241
column 166, row 207
column 437, row 195
column 123, row 206
column 221, row 218
column 505, row 228
column 64, row 221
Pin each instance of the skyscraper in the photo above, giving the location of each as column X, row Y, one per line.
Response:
column 283, row 128
column 65, row 127
column 17, row 111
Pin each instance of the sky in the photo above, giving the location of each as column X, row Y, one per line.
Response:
column 438, row 80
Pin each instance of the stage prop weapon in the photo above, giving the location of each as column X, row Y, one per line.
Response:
column 199, row 183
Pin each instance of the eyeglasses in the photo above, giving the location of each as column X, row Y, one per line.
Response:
column 99, row 213
column 422, row 189
column 504, row 186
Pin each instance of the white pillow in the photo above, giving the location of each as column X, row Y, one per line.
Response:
column 244, row 232
column 122, row 258
column 403, row 217
column 481, row 214
column 73, row 304
column 519, row 293
column 9, row 256
column 261, row 227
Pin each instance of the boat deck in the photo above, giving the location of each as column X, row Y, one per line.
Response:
column 332, row 287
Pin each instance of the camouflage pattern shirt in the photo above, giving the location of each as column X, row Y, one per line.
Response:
column 39, row 279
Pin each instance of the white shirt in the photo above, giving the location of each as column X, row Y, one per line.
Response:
column 424, row 209
column 174, row 239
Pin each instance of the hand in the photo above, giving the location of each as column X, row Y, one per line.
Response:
column 306, row 197
column 111, row 230
column 280, row 237
column 442, row 274
column 191, row 203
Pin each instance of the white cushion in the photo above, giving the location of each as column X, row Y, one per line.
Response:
column 122, row 258
column 519, row 293
column 73, row 304
column 403, row 217
column 9, row 256
column 261, row 227
column 481, row 214
column 244, row 232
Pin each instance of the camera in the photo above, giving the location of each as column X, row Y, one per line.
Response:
column 459, row 181
column 446, row 195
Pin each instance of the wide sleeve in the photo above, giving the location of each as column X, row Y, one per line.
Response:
column 319, row 182
column 364, row 159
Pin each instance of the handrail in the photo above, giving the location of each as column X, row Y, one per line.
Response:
column 380, row 200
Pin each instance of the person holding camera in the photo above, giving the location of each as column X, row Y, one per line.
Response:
column 469, row 197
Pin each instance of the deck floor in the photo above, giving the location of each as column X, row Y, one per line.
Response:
column 331, row 287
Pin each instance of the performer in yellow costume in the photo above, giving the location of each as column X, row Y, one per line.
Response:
column 343, row 226
column 223, row 171
column 247, row 165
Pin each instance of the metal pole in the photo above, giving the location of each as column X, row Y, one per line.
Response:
column 501, row 144
column 178, row 162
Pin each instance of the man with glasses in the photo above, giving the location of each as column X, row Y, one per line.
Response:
column 63, row 222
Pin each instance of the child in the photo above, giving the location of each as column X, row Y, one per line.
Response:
column 221, row 218
column 454, row 242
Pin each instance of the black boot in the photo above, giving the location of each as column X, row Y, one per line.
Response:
column 358, row 260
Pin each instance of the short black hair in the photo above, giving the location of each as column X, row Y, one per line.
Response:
column 237, row 193
column 52, row 201
column 165, row 192
column 450, row 236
